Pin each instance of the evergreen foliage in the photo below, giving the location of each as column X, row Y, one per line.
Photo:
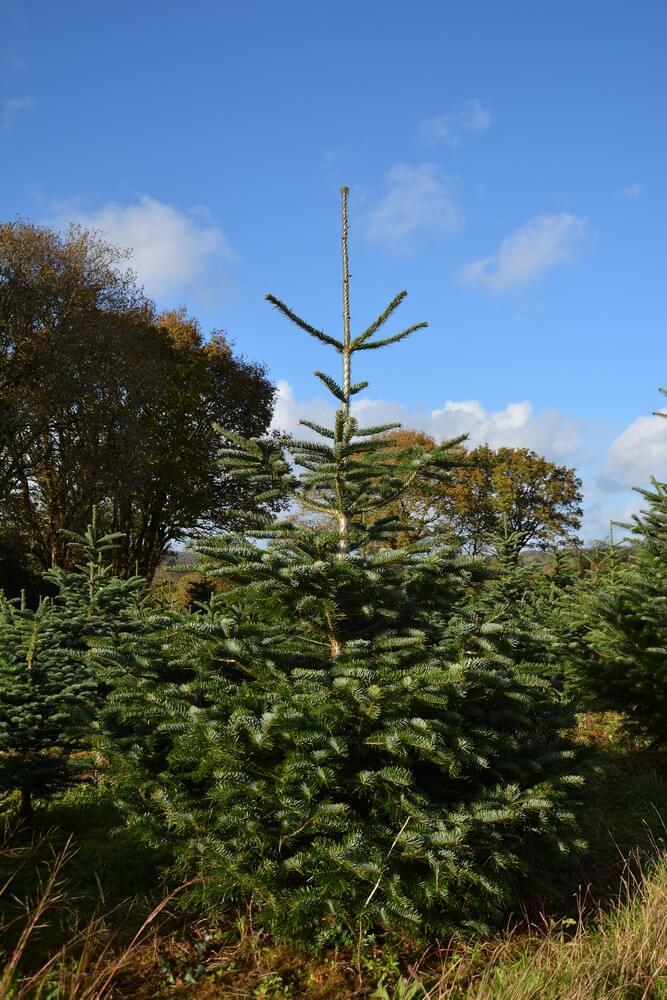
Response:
column 336, row 741
column 530, row 601
column 622, row 662
column 49, row 689
column 516, row 597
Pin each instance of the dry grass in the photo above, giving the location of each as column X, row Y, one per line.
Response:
column 614, row 948
column 92, row 962
column 620, row 954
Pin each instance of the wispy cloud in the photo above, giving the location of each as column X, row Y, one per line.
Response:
column 632, row 191
column 12, row 106
column 416, row 199
column 170, row 248
column 529, row 252
column 451, row 128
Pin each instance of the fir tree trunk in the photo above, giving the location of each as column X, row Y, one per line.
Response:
column 26, row 813
column 343, row 519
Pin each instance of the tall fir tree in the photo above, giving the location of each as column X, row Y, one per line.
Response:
column 49, row 689
column 339, row 753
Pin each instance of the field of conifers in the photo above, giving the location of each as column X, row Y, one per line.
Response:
column 386, row 730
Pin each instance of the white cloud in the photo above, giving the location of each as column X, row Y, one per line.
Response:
column 170, row 248
column 288, row 411
column 416, row 199
column 541, row 244
column 638, row 453
column 450, row 128
column 632, row 191
column 516, row 425
column 12, row 106
column 602, row 512
column 609, row 476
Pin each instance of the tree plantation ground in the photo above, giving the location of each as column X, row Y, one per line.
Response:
column 364, row 747
column 562, row 947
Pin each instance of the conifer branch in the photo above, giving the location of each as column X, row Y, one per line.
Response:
column 333, row 387
column 380, row 321
column 393, row 845
column 318, row 428
column 391, row 340
column 313, row 331
column 378, row 429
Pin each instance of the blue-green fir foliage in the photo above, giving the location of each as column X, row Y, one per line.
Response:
column 529, row 604
column 50, row 691
column 333, row 742
column 621, row 664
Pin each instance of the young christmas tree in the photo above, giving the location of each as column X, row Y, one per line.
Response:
column 49, row 690
column 529, row 603
column 620, row 661
column 339, row 753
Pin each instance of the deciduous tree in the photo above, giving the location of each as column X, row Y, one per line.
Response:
column 513, row 489
column 104, row 402
column 511, row 492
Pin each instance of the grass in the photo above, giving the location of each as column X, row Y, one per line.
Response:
column 84, row 915
column 620, row 954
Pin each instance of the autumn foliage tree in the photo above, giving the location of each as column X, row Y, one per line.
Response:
column 515, row 489
column 170, row 485
column 102, row 401
column 511, row 492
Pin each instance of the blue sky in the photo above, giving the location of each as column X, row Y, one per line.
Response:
column 506, row 164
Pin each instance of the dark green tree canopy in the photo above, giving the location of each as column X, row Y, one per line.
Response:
column 104, row 402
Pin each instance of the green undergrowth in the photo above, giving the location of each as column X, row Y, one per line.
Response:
column 100, row 919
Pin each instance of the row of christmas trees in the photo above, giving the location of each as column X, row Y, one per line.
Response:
column 363, row 727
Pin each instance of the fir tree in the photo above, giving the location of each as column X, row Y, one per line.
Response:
column 339, row 750
column 512, row 597
column 577, row 583
column 620, row 662
column 49, row 689
column 528, row 600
